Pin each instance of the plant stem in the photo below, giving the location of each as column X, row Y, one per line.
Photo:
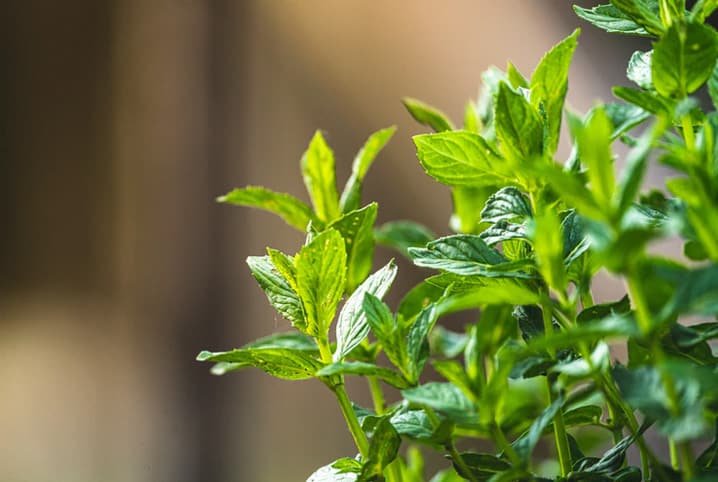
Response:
column 673, row 454
column 688, row 134
column 503, row 444
column 377, row 395
column 687, row 459
column 559, row 431
column 352, row 422
column 325, row 351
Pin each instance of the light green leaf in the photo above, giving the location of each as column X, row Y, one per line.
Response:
column 293, row 211
column 639, row 69
column 471, row 117
column 549, row 84
column 460, row 158
column 683, row 59
column 516, row 78
column 356, row 227
column 594, row 150
column 328, row 473
column 285, row 363
column 713, row 86
column 611, row 19
column 506, row 204
column 641, row 12
column 318, row 173
column 351, row 196
column 445, row 398
column 671, row 11
column 427, row 115
column 402, row 235
column 519, row 127
column 547, row 241
column 468, row 292
column 624, row 117
column 364, row 369
column 292, row 340
column 417, row 344
column 468, row 202
column 647, row 101
column 446, row 343
column 352, row 326
column 321, row 274
column 702, row 9
column 387, row 331
column 417, row 425
column 278, row 290
column 455, row 374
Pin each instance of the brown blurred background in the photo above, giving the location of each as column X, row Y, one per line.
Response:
column 120, row 121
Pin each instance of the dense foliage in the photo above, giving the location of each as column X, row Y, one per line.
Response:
column 531, row 234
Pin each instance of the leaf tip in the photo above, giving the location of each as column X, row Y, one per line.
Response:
column 204, row 355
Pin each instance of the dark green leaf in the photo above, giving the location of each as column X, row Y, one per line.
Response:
column 445, row 398
column 604, row 310
column 383, row 448
column 683, row 59
column 356, row 227
column 713, row 86
column 481, row 466
column 417, row 425
column 460, row 159
column 402, row 235
column 575, row 242
column 427, row 115
column 445, row 343
column 506, row 204
column 279, row 293
column 642, row 13
column 469, row 292
column 351, row 196
column 518, row 125
column 321, row 274
column 610, row 462
column 585, row 415
column 282, row 363
column 293, row 211
column 417, row 347
column 549, row 84
column 624, row 117
column 352, row 325
column 364, row 369
column 611, row 19
column 454, row 373
column 647, row 101
column 708, row 459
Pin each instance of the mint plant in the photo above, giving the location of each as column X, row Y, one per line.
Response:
column 531, row 233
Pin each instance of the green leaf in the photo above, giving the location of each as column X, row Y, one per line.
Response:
column 293, row 211
column 417, row 345
column 321, row 274
column 465, row 254
column 417, row 425
column 445, row 398
column 284, row 363
column 549, row 84
column 356, row 227
column 604, row 310
column 318, row 173
column 713, row 86
column 352, row 325
column 590, row 332
column 383, row 448
column 518, row 124
column 624, row 117
column 427, row 115
column 481, row 466
column 467, row 292
column 471, row 118
column 351, row 196
column 402, row 235
column 364, row 369
column 671, row 10
column 708, row 459
column 575, row 242
column 328, row 473
column 584, row 415
column 683, row 59
column 594, row 150
column 611, row 19
column 702, row 9
column 548, row 245
column 446, row 343
column 460, row 158
column 516, row 78
column 292, row 340
column 641, row 12
column 279, row 293
column 525, row 445
column 454, row 373
column 647, row 101
column 506, row 204
column 468, row 202
column 610, row 462
column 696, row 292
column 639, row 69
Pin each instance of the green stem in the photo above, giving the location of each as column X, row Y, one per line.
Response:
column 673, row 454
column 504, row 445
column 377, row 395
column 352, row 422
column 559, row 430
column 688, row 133
column 325, row 351
column 686, row 454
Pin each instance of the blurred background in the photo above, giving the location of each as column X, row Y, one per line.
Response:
column 120, row 121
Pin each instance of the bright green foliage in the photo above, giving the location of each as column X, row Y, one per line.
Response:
column 529, row 387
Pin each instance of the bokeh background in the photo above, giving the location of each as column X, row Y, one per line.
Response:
column 120, row 121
